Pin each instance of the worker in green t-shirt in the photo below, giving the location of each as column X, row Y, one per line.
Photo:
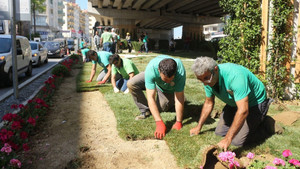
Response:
column 106, row 40
column 102, row 58
column 245, row 97
column 164, row 81
column 124, row 67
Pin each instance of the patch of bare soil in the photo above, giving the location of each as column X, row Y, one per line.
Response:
column 287, row 117
column 80, row 132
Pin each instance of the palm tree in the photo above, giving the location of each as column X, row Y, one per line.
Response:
column 37, row 6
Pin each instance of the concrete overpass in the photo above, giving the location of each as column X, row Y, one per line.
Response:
column 157, row 15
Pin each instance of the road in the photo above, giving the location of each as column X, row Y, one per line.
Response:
column 36, row 70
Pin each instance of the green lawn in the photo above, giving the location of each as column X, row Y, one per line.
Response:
column 187, row 150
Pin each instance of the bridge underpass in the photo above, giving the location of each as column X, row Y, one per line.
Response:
column 157, row 17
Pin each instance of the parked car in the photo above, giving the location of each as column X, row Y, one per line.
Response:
column 63, row 44
column 54, row 49
column 71, row 45
column 24, row 58
column 39, row 53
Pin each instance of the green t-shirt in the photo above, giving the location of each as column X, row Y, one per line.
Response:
column 153, row 79
column 145, row 38
column 84, row 52
column 106, row 37
column 128, row 67
column 235, row 83
column 81, row 44
column 103, row 59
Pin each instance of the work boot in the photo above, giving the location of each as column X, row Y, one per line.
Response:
column 143, row 116
column 271, row 126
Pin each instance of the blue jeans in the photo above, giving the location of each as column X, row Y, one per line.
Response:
column 106, row 47
column 122, row 84
column 146, row 46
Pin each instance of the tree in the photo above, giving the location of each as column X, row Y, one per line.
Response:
column 37, row 6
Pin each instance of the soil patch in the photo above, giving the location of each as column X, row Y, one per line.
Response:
column 287, row 117
column 79, row 131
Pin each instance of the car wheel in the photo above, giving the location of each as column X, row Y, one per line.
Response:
column 9, row 80
column 39, row 62
column 29, row 70
column 46, row 60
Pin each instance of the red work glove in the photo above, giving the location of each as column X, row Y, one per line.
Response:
column 101, row 82
column 88, row 81
column 177, row 125
column 160, row 131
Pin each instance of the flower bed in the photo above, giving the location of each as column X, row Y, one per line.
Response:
column 17, row 128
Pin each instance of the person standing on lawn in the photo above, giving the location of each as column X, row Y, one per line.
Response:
column 126, row 68
column 165, row 77
column 245, row 97
column 102, row 58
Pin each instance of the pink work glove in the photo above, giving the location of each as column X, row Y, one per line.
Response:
column 160, row 131
column 177, row 125
column 88, row 81
column 101, row 82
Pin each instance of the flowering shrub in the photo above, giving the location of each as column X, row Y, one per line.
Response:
column 18, row 127
column 278, row 163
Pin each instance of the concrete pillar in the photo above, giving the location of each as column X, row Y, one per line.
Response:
column 194, row 31
column 124, row 26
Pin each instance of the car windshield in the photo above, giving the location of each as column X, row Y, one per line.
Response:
column 70, row 42
column 51, row 44
column 34, row 46
column 5, row 45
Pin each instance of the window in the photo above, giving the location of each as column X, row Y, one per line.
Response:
column 214, row 28
column 206, row 29
column 51, row 1
column 51, row 11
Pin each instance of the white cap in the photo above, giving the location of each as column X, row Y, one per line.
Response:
column 113, row 29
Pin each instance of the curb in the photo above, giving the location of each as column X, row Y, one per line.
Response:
column 11, row 91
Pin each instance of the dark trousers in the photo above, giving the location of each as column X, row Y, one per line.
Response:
column 250, row 127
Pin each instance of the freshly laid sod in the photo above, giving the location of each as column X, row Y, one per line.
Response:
column 187, row 150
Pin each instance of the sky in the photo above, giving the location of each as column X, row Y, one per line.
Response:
column 82, row 4
column 177, row 30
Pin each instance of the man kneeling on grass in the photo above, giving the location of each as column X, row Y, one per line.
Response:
column 124, row 67
column 164, row 76
column 244, row 116
column 102, row 58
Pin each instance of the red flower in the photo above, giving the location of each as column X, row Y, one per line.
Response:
column 5, row 135
column 37, row 106
column 7, row 117
column 25, row 147
column 13, row 145
column 24, row 135
column 31, row 121
column 14, row 106
column 21, row 106
column 29, row 101
column 16, row 125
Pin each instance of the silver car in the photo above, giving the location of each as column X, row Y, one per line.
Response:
column 39, row 53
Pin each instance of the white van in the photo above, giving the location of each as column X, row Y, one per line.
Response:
column 24, row 63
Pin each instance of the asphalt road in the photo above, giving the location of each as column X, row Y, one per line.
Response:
column 36, row 70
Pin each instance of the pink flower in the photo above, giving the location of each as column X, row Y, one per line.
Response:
column 21, row 106
column 250, row 155
column 293, row 161
column 270, row 167
column 15, row 162
column 278, row 161
column 227, row 156
column 286, row 153
column 6, row 148
column 233, row 165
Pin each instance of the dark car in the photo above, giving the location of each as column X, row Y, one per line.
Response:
column 71, row 45
column 54, row 49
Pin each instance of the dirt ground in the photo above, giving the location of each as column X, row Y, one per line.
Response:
column 81, row 128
